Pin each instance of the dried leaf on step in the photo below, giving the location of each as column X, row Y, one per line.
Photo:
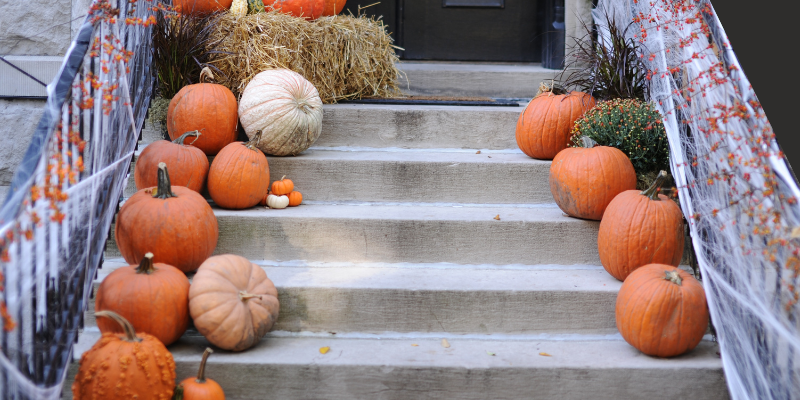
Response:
column 497, row 217
column 545, row 354
column 489, row 353
column 478, row 152
column 324, row 350
column 414, row 344
column 445, row 343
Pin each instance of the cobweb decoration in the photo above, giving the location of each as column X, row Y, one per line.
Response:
column 56, row 218
column 735, row 187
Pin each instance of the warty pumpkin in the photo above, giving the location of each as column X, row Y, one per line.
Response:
column 126, row 366
column 188, row 165
column 154, row 220
column 308, row 9
column 640, row 228
column 200, row 7
column 661, row 310
column 583, row 180
column 232, row 302
column 200, row 387
column 285, row 107
column 543, row 128
column 153, row 297
column 239, row 175
column 206, row 107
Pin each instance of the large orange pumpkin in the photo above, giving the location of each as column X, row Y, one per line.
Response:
column 239, row 175
column 206, row 107
column 543, row 128
column 154, row 298
column 128, row 366
column 155, row 220
column 583, row 180
column 308, row 9
column 640, row 228
column 333, row 7
column 232, row 302
column 661, row 310
column 200, row 387
column 201, row 7
column 188, row 165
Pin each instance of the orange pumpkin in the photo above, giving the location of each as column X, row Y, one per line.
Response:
column 333, row 7
column 640, row 228
column 282, row 186
column 239, row 175
column 661, row 310
column 200, row 7
column 295, row 198
column 128, row 366
column 232, row 302
column 155, row 220
column 154, row 298
column 543, row 128
column 188, row 165
column 583, row 180
column 206, row 107
column 308, row 9
column 200, row 387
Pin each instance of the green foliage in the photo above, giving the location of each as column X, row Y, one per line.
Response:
column 630, row 125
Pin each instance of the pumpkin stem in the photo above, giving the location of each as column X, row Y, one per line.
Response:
column 183, row 137
column 673, row 276
column 201, row 374
column 552, row 87
column 130, row 333
column 206, row 76
column 587, row 142
column 244, row 296
column 652, row 191
column 146, row 266
column 164, row 189
column 252, row 144
column 283, row 177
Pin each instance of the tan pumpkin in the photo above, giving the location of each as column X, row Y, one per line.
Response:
column 286, row 107
column 640, row 228
column 239, row 175
column 661, row 310
column 583, row 180
column 188, row 165
column 544, row 127
column 232, row 302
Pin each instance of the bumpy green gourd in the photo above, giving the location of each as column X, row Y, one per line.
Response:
column 630, row 125
column 255, row 6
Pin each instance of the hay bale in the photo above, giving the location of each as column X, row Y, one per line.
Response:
column 345, row 57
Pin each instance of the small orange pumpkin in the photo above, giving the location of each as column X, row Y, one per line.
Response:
column 583, row 180
column 200, row 7
column 206, row 107
column 640, row 228
column 661, row 310
column 200, row 387
column 188, row 165
column 239, row 175
column 154, row 298
column 544, row 127
column 282, row 186
column 127, row 366
column 295, row 198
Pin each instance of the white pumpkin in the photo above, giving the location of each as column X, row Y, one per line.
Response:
column 286, row 107
column 274, row 201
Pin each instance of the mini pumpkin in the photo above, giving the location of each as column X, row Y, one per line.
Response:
column 153, row 297
column 295, row 198
column 661, row 310
column 188, row 165
column 543, row 128
column 282, row 186
column 583, row 180
column 274, row 201
column 232, row 302
column 640, row 228
column 127, row 366
column 200, row 387
column 239, row 175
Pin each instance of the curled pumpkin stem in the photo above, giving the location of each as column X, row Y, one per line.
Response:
column 244, row 296
column 130, row 333
column 252, row 144
column 652, row 191
column 164, row 189
column 587, row 142
column 201, row 373
column 146, row 266
column 206, row 76
column 673, row 276
column 183, row 137
column 552, row 87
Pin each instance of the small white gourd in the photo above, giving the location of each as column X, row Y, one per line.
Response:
column 274, row 201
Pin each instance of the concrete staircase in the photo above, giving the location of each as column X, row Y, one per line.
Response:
column 429, row 256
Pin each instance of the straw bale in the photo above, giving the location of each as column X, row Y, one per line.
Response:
column 345, row 57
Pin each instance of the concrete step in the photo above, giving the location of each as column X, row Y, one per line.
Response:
column 441, row 175
column 407, row 232
column 403, row 297
column 473, row 79
column 414, row 366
